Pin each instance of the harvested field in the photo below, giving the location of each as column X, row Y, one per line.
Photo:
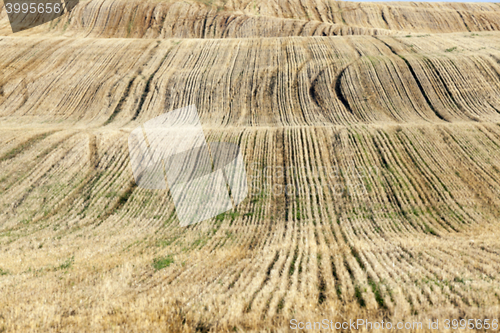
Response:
column 371, row 137
column 271, row 18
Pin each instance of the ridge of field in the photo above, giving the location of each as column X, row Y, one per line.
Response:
column 313, row 81
column 373, row 165
column 246, row 19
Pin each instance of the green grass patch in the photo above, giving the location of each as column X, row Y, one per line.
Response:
column 359, row 296
column 162, row 262
column 66, row 264
column 377, row 292
column 429, row 230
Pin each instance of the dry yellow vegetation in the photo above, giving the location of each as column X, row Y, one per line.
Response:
column 389, row 138
column 270, row 18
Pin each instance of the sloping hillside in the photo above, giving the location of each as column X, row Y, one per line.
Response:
column 373, row 163
column 316, row 81
column 246, row 19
